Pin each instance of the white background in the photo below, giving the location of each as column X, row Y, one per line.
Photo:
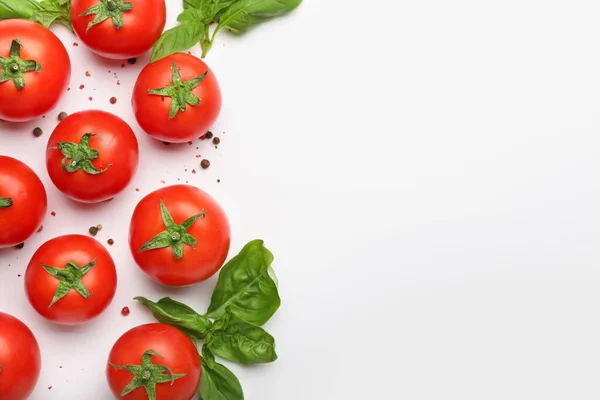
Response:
column 426, row 174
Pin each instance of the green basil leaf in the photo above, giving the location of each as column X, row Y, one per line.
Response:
column 219, row 383
column 191, row 16
column 243, row 343
column 171, row 312
column 54, row 12
column 245, row 14
column 22, row 9
column 207, row 353
column 177, row 39
column 245, row 286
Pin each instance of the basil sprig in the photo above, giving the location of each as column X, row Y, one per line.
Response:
column 46, row 12
column 238, row 16
column 245, row 298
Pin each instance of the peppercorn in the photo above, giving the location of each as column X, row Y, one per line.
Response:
column 205, row 163
column 113, row 100
column 216, row 140
column 37, row 132
column 208, row 135
column 62, row 116
column 93, row 230
column 110, row 242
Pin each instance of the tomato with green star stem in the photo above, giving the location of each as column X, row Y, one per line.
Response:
column 92, row 156
column 23, row 202
column 177, row 99
column 20, row 359
column 119, row 29
column 71, row 279
column 153, row 362
column 179, row 235
column 35, row 70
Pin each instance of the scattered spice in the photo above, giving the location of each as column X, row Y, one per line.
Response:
column 216, row 140
column 110, row 242
column 37, row 132
column 208, row 135
column 75, row 44
column 99, row 227
column 20, row 246
column 41, row 228
column 93, row 230
column 125, row 311
column 205, row 163
column 62, row 115
column 132, row 61
column 87, row 73
column 218, row 181
column 113, row 100
column 90, row 98
column 81, row 86
column 193, row 171
column 53, row 214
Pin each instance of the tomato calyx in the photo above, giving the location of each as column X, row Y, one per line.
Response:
column 5, row 202
column 148, row 375
column 106, row 9
column 180, row 92
column 175, row 236
column 13, row 67
column 70, row 278
column 80, row 156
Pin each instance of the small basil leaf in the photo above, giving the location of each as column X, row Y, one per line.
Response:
column 219, row 383
column 171, row 312
column 179, row 38
column 245, row 286
column 243, row 343
column 207, row 353
column 245, row 14
column 23, row 9
column 54, row 11
column 191, row 15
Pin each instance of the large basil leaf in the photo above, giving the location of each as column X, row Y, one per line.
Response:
column 171, row 312
column 245, row 14
column 22, row 9
column 245, row 286
column 179, row 38
column 243, row 343
column 219, row 383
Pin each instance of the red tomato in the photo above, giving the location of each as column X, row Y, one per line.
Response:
column 23, row 202
column 92, row 156
column 20, row 359
column 157, row 94
column 153, row 347
column 142, row 24
column 33, row 86
column 182, row 243
column 71, row 279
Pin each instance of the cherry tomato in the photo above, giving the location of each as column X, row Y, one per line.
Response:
column 71, row 279
column 23, row 202
column 179, row 235
column 177, row 99
column 34, row 71
column 169, row 363
column 119, row 29
column 92, row 156
column 20, row 360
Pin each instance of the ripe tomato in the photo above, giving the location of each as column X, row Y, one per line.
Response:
column 119, row 29
column 177, row 99
column 34, row 71
column 20, row 360
column 71, row 279
column 92, row 156
column 23, row 202
column 154, row 361
column 179, row 235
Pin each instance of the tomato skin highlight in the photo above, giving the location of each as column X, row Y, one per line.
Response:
column 21, row 220
column 152, row 111
column 19, row 357
column 178, row 353
column 142, row 26
column 73, row 309
column 213, row 235
column 42, row 89
column 116, row 144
